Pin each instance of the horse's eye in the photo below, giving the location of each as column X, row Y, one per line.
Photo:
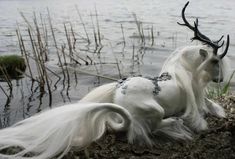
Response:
column 214, row 61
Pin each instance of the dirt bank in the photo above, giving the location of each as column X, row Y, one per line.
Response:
column 216, row 143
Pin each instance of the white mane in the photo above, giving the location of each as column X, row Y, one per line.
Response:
column 183, row 65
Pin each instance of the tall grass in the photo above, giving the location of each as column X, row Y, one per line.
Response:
column 220, row 90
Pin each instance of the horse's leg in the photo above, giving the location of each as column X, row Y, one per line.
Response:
column 174, row 127
column 136, row 95
column 147, row 116
column 214, row 108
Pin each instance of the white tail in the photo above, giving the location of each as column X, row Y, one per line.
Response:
column 53, row 132
column 101, row 94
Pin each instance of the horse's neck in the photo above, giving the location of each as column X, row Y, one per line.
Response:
column 199, row 93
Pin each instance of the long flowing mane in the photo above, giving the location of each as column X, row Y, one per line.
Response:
column 180, row 66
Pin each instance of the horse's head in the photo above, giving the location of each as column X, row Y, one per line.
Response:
column 209, row 61
column 212, row 64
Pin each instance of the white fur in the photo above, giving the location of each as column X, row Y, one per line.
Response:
column 53, row 132
column 102, row 94
column 176, row 111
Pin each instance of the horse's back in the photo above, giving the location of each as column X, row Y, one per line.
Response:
column 101, row 94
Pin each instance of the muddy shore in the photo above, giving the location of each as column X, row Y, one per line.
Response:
column 218, row 142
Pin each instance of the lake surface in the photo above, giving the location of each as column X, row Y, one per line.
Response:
column 216, row 17
column 117, row 23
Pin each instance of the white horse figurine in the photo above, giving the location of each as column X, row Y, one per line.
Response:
column 173, row 103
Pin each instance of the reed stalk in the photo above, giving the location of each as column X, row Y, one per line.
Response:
column 69, row 43
column 73, row 35
column 66, row 68
column 98, row 26
column 139, row 28
column 55, row 43
column 94, row 32
column 6, row 77
column 152, row 36
column 93, row 74
column 3, row 90
column 133, row 59
column 45, row 37
column 39, row 69
column 123, row 36
column 83, row 24
column 21, row 43
column 29, row 76
column 117, row 63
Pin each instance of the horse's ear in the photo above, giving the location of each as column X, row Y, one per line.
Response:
column 203, row 53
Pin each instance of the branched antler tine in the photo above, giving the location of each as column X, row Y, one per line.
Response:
column 226, row 49
column 219, row 39
column 198, row 36
column 221, row 44
column 201, row 37
column 186, row 23
column 195, row 32
column 197, row 21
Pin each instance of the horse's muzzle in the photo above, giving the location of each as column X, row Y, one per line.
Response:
column 218, row 80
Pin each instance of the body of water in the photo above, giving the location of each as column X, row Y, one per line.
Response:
column 120, row 39
column 216, row 17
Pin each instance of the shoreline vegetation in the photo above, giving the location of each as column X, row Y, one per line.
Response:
column 39, row 45
column 55, row 57
column 11, row 66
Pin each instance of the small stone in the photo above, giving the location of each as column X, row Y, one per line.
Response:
column 231, row 97
column 232, row 110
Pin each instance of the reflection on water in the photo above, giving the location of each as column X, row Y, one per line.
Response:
column 116, row 48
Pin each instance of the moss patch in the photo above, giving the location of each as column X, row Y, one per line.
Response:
column 13, row 65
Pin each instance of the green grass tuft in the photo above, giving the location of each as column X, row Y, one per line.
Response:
column 219, row 90
column 225, row 90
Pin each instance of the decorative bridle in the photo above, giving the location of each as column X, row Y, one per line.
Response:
column 203, row 38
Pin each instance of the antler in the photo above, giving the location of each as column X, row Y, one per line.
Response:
column 203, row 38
column 226, row 49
